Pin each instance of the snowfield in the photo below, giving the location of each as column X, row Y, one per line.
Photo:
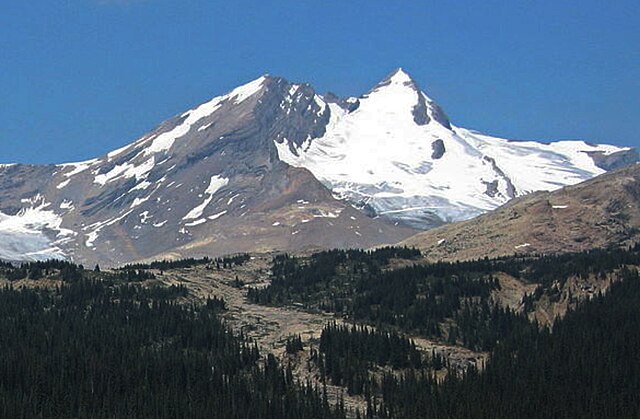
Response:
column 22, row 236
column 378, row 156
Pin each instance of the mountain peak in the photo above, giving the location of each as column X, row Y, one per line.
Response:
column 248, row 89
column 252, row 168
column 399, row 86
column 398, row 77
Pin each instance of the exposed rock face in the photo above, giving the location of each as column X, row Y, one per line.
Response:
column 207, row 182
column 398, row 155
column 272, row 165
column 615, row 160
column 438, row 149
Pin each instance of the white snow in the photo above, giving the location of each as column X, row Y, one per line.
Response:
column 232, row 198
column 140, row 186
column 126, row 170
column 323, row 106
column 380, row 156
column 242, row 93
column 98, row 226
column 197, row 222
column 63, row 184
column 144, row 217
column 138, row 201
column 166, row 140
column 92, row 237
column 395, row 211
column 559, row 206
column 114, row 153
column 66, row 204
column 158, row 225
column 520, row 246
column 218, row 215
column 22, row 236
column 534, row 166
column 205, row 126
column 215, row 184
column 78, row 167
column 327, row 214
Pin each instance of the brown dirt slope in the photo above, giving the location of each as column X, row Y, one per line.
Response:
column 601, row 212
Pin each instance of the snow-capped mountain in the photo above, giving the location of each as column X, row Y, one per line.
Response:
column 395, row 152
column 206, row 182
column 275, row 165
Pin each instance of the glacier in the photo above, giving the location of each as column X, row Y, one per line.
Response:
column 397, row 155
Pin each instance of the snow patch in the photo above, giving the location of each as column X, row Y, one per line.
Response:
column 242, row 93
column 63, row 184
column 92, row 237
column 78, row 167
column 166, row 140
column 140, row 186
column 126, row 170
column 138, row 201
column 196, row 222
column 215, row 184
column 66, row 205
column 218, row 215
column 232, row 198
column 327, row 214
column 205, row 126
column 95, row 228
column 114, row 153
column 144, row 217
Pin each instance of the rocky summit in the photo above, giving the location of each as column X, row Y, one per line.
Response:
column 274, row 165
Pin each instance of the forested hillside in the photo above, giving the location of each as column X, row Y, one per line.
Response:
column 581, row 366
column 122, row 343
column 102, row 349
column 586, row 367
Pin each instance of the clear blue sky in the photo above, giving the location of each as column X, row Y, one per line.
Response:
column 81, row 77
